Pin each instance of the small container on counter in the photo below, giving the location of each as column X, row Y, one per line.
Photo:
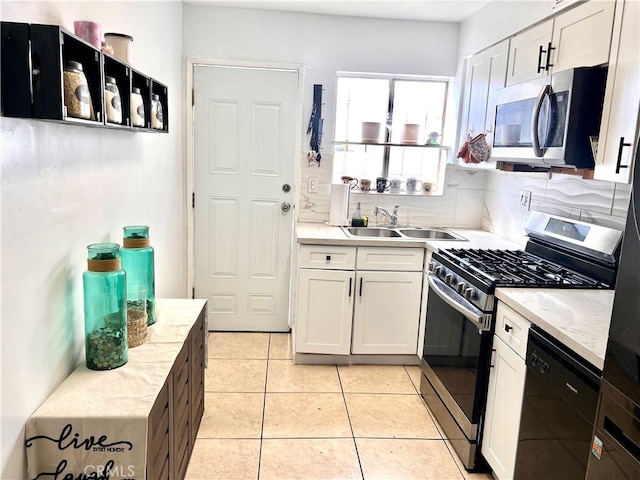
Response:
column 76, row 91
column 137, row 108
column 156, row 112
column 112, row 100
column 105, row 308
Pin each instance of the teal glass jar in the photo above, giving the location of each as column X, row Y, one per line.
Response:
column 138, row 262
column 105, row 308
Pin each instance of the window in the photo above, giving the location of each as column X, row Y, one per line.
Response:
column 401, row 107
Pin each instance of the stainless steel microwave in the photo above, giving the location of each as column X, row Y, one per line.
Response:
column 553, row 120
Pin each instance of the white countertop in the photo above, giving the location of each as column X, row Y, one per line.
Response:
column 577, row 318
column 323, row 234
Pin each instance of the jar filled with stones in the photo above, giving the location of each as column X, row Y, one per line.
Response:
column 77, row 99
column 105, row 308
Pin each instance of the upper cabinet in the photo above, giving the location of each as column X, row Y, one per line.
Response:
column 579, row 37
column 619, row 127
column 485, row 74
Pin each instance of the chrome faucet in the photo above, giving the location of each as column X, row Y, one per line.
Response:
column 392, row 217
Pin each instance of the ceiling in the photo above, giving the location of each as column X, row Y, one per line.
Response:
column 429, row 10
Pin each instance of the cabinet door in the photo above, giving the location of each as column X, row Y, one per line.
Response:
column 387, row 313
column 504, row 404
column 622, row 99
column 524, row 53
column 324, row 313
column 582, row 36
column 486, row 73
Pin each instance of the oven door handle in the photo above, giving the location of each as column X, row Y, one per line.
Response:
column 482, row 321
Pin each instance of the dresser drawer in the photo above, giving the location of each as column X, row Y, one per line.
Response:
column 512, row 328
column 389, row 258
column 327, row 257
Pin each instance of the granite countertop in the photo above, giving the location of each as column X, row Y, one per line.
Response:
column 577, row 318
column 323, row 234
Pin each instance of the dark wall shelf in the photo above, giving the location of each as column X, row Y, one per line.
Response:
column 33, row 57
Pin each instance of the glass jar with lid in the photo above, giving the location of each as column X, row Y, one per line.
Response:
column 137, row 108
column 112, row 100
column 138, row 262
column 105, row 308
column 76, row 91
column 156, row 112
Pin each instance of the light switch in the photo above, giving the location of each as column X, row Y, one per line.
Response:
column 313, row 185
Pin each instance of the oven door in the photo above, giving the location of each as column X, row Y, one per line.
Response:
column 457, row 354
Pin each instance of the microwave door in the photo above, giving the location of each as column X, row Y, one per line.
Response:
column 540, row 122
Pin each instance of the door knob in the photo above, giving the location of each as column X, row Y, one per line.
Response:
column 285, row 206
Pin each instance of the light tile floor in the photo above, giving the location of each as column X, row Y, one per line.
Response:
column 266, row 418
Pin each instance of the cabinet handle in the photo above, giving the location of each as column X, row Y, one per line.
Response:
column 491, row 365
column 540, row 52
column 507, row 328
column 328, row 258
column 548, row 63
column 620, row 147
column 360, row 286
column 350, row 280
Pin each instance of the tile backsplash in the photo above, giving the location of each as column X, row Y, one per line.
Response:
column 476, row 198
column 461, row 206
column 593, row 201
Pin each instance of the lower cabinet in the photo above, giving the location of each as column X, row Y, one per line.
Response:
column 386, row 314
column 342, row 309
column 504, row 397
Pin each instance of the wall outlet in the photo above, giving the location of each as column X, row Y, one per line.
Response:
column 525, row 200
column 313, row 185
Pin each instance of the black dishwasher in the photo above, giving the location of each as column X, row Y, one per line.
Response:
column 558, row 411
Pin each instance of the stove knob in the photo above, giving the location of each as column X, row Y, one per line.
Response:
column 449, row 278
column 431, row 265
column 469, row 293
column 460, row 287
column 438, row 270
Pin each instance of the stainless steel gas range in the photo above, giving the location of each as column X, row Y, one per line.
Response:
column 560, row 253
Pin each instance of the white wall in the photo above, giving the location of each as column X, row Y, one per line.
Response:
column 64, row 187
column 323, row 44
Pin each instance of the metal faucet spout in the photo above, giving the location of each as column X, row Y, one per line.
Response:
column 391, row 217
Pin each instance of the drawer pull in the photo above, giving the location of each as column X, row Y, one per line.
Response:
column 328, row 258
column 507, row 328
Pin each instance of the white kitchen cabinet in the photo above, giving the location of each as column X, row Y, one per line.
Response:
column 386, row 314
column 324, row 313
column 364, row 303
column 485, row 74
column 506, row 387
column 619, row 127
column 577, row 37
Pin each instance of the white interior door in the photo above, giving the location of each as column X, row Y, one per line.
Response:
column 244, row 151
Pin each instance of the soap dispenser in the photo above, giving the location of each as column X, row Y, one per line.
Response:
column 358, row 220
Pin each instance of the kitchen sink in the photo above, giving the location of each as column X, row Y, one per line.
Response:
column 371, row 232
column 407, row 232
column 430, row 233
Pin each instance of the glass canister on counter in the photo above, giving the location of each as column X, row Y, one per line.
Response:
column 137, row 108
column 112, row 100
column 138, row 262
column 76, row 91
column 156, row 112
column 105, row 308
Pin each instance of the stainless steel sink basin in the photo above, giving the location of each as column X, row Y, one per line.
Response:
column 430, row 233
column 370, row 232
